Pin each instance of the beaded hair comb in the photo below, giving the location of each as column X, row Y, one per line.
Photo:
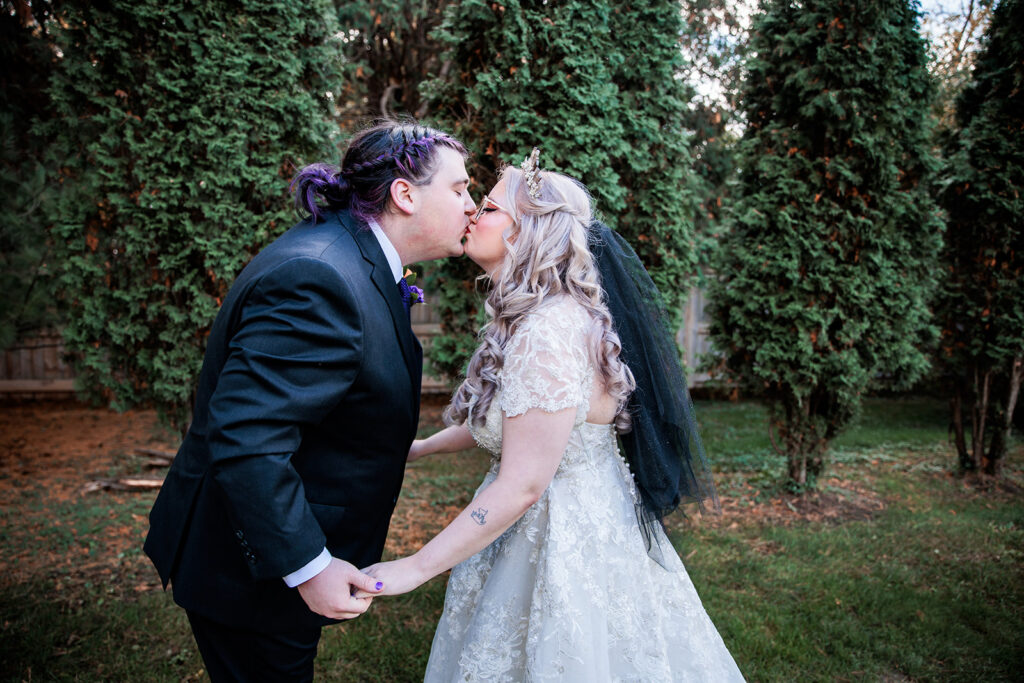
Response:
column 530, row 173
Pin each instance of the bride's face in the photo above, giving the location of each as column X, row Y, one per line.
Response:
column 484, row 242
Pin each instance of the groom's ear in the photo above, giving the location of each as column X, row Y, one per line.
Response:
column 402, row 196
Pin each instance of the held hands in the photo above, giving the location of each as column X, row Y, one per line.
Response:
column 399, row 576
column 340, row 591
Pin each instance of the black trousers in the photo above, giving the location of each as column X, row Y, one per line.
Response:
column 236, row 654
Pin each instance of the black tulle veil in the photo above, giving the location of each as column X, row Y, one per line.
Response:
column 664, row 449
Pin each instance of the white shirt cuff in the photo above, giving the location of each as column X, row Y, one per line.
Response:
column 317, row 565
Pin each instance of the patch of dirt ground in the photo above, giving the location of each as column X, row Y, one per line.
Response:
column 51, row 451
column 61, row 445
column 49, row 454
column 837, row 501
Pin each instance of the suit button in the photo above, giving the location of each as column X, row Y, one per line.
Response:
column 239, row 534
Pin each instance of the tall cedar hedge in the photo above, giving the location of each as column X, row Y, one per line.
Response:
column 178, row 124
column 26, row 61
column 825, row 276
column 593, row 85
column 983, row 303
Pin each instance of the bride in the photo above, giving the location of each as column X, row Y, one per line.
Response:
column 563, row 569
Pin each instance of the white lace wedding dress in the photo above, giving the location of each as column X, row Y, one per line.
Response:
column 568, row 593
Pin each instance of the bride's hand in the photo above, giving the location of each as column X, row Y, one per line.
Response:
column 417, row 451
column 398, row 576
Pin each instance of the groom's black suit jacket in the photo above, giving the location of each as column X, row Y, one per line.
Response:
column 307, row 403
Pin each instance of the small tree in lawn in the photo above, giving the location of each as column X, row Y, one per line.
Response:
column 826, row 273
column 594, row 85
column 178, row 124
column 983, row 305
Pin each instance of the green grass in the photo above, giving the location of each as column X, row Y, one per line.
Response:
column 929, row 586
column 93, row 632
column 931, row 589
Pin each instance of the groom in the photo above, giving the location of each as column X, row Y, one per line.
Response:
column 307, row 404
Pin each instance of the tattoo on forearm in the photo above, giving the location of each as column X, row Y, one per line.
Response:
column 479, row 516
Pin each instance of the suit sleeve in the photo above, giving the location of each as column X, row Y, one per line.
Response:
column 292, row 358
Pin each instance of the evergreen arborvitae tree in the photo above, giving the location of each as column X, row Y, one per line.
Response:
column 825, row 276
column 179, row 124
column 26, row 60
column 983, row 305
column 593, row 85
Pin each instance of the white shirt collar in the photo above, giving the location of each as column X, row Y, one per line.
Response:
column 394, row 260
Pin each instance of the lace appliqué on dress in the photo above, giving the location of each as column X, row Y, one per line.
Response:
column 547, row 365
column 568, row 592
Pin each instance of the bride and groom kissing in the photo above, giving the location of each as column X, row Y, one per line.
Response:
column 272, row 519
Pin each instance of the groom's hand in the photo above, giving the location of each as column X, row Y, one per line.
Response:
column 329, row 593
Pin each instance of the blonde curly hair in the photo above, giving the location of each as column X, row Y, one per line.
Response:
column 546, row 255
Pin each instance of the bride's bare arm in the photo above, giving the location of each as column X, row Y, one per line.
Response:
column 532, row 448
column 448, row 440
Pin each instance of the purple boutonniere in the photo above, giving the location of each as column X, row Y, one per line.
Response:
column 416, row 294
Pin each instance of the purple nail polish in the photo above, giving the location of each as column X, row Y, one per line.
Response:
column 379, row 585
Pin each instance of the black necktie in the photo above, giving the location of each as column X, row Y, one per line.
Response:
column 405, row 293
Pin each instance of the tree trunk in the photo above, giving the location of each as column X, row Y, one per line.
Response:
column 979, row 414
column 1016, row 378
column 993, row 461
column 804, row 450
column 797, row 469
column 1001, row 434
column 956, row 405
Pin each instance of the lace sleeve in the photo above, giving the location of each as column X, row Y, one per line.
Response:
column 546, row 362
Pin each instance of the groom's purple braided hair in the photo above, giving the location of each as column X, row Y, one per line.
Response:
column 374, row 159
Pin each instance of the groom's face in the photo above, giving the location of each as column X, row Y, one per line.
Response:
column 444, row 207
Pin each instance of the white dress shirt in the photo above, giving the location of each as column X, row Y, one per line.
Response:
column 320, row 562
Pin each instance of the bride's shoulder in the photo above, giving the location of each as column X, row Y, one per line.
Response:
column 559, row 312
column 561, row 305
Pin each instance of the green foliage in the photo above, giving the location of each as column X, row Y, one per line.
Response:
column 826, row 273
column 982, row 308
column 593, row 84
column 26, row 62
column 178, row 126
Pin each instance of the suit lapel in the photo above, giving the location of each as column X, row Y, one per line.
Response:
column 380, row 275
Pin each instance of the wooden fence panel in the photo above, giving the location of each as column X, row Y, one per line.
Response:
column 35, row 367
column 693, row 336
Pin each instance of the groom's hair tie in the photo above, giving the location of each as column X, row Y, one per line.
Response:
column 375, row 157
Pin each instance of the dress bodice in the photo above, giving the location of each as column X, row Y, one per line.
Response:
column 547, row 366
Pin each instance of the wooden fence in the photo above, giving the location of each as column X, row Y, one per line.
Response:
column 692, row 337
column 36, row 368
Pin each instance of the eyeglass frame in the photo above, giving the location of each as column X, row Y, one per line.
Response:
column 483, row 203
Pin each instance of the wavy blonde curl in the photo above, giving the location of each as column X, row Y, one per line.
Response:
column 546, row 255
